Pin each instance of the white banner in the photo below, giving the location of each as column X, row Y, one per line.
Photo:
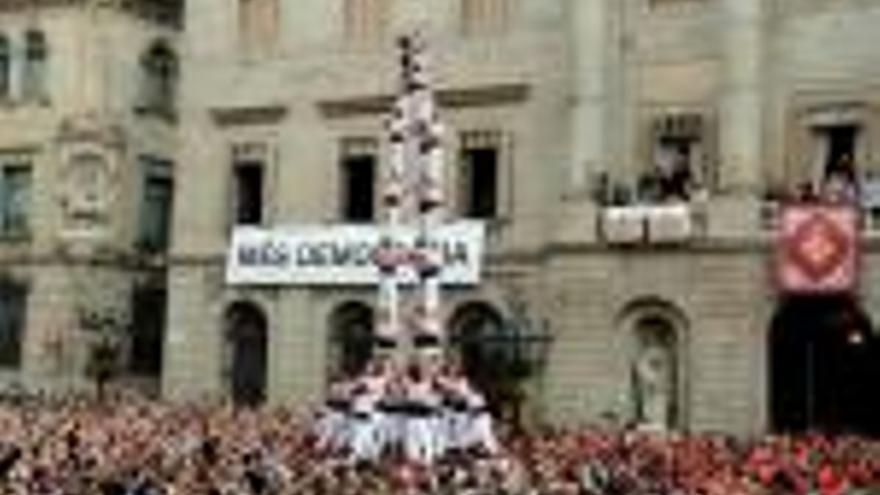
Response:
column 343, row 254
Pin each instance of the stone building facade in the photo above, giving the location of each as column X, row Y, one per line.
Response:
column 559, row 110
column 754, row 96
column 87, row 143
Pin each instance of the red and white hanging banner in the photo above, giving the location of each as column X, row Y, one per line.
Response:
column 817, row 249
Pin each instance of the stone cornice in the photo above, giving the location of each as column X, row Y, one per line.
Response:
column 248, row 115
column 479, row 96
column 20, row 5
column 90, row 128
column 167, row 13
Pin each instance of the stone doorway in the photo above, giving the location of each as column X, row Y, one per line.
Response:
column 247, row 350
column 824, row 366
column 351, row 334
column 480, row 344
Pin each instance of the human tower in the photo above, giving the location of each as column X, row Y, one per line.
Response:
column 409, row 403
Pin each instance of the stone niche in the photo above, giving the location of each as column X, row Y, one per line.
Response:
column 89, row 183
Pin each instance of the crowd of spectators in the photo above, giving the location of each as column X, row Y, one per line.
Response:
column 132, row 446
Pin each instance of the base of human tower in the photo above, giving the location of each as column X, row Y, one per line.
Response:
column 417, row 411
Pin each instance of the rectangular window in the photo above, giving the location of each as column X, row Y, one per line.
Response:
column 358, row 180
column 248, row 178
column 13, row 311
column 678, row 146
column 479, row 175
column 15, row 199
column 259, row 22
column 157, row 204
column 674, row 3
column 839, row 175
column 366, row 21
column 35, row 67
column 5, row 68
column 148, row 330
column 674, row 163
column 484, row 16
column 158, row 84
column 841, row 145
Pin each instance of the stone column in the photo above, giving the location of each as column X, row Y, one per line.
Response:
column 412, row 16
column 92, row 52
column 589, row 105
column 298, row 349
column 589, row 65
column 192, row 361
column 741, row 109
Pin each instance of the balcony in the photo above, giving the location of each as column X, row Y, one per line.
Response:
column 650, row 224
column 659, row 208
column 867, row 200
column 869, row 219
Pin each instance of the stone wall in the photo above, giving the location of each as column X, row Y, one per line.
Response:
column 93, row 74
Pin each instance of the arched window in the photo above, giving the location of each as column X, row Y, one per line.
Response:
column 351, row 331
column 159, row 79
column 5, row 68
column 35, row 67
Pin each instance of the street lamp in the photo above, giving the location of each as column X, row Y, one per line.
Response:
column 506, row 354
column 528, row 345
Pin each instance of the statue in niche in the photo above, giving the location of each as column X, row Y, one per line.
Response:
column 86, row 183
column 654, row 385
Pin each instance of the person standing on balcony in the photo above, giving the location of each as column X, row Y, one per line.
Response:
column 841, row 185
column 681, row 179
column 674, row 173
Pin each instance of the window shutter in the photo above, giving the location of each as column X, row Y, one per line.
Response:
column 12, row 321
column 485, row 16
column 5, row 68
column 20, row 199
column 464, row 178
column 36, row 51
column 4, row 203
column 366, row 21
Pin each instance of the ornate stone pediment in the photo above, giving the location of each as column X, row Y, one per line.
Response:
column 839, row 113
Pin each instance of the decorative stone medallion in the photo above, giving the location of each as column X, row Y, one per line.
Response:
column 88, row 182
column 86, row 190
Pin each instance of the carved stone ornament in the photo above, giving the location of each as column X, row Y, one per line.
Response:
column 86, row 190
column 87, row 172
